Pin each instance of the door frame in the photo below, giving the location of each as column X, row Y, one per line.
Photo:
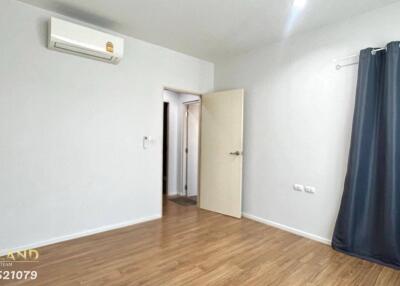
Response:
column 178, row 90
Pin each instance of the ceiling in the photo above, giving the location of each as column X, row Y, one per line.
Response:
column 209, row 29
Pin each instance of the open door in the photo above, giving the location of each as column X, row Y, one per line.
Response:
column 221, row 155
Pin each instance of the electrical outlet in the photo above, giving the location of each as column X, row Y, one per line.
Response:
column 310, row 190
column 298, row 188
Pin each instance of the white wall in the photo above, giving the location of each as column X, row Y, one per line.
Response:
column 71, row 157
column 186, row 97
column 298, row 115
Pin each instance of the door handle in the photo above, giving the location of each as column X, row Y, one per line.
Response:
column 236, row 153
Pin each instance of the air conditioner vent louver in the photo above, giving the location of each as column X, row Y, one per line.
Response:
column 80, row 51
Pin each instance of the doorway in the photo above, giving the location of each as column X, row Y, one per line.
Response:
column 216, row 185
column 181, row 125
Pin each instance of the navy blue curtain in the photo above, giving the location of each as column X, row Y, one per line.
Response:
column 368, row 225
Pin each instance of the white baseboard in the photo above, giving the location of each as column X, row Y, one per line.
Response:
column 288, row 228
column 79, row 234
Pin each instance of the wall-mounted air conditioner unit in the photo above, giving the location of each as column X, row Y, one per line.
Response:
column 78, row 40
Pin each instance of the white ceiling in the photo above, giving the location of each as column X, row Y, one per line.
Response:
column 208, row 29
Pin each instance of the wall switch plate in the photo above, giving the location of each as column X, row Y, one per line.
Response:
column 310, row 190
column 298, row 188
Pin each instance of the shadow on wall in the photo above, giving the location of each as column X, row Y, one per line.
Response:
column 81, row 15
column 43, row 31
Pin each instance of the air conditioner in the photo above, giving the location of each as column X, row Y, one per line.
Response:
column 82, row 41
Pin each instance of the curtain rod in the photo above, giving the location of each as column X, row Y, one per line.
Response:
column 339, row 66
column 374, row 51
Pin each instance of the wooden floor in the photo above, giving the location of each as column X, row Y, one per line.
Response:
column 194, row 247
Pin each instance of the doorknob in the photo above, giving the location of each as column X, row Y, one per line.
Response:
column 236, row 153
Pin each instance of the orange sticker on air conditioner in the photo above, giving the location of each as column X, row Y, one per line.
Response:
column 110, row 47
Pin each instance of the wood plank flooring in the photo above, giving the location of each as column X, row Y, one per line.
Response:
column 189, row 246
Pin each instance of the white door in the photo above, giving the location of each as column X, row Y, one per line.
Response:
column 221, row 155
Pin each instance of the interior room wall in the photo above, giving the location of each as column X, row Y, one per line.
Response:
column 71, row 156
column 298, row 116
column 186, row 97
